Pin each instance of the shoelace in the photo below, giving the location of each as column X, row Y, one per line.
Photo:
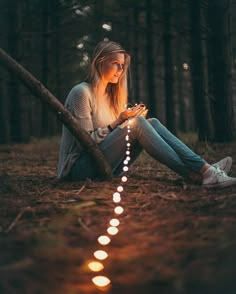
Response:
column 220, row 172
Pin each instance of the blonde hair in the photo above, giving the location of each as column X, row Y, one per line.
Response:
column 118, row 92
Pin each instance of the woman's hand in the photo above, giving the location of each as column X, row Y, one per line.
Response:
column 138, row 110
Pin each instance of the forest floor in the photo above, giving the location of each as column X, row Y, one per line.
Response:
column 174, row 236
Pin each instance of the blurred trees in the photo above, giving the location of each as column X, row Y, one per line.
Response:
column 182, row 62
column 220, row 66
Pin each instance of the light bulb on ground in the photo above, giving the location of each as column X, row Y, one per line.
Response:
column 112, row 231
column 120, row 189
column 116, row 197
column 114, row 222
column 104, row 240
column 124, row 179
column 125, row 168
column 100, row 254
column 101, row 281
column 118, row 210
column 96, row 266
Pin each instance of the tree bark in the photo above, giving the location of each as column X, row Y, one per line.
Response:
column 61, row 112
column 200, row 90
column 220, row 67
column 13, row 85
column 4, row 77
column 45, row 125
column 169, row 66
column 150, row 59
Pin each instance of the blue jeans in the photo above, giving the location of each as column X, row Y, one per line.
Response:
column 146, row 134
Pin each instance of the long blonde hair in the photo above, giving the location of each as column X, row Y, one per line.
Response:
column 118, row 92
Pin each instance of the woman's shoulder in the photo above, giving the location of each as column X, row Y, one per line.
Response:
column 79, row 92
column 83, row 87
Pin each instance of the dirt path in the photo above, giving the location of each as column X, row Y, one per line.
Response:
column 174, row 237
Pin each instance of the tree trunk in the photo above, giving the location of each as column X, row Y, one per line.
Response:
column 13, row 85
column 4, row 76
column 150, row 60
column 169, row 67
column 136, row 65
column 61, row 112
column 220, row 68
column 200, row 91
column 45, row 126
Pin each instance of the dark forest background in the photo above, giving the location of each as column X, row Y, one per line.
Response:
column 183, row 60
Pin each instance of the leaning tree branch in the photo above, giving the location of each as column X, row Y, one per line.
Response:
column 59, row 110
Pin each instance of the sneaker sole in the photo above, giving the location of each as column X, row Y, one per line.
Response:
column 219, row 185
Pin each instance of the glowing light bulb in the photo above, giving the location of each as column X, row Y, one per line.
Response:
column 127, row 152
column 118, row 209
column 96, row 266
column 125, row 162
column 125, row 168
column 114, row 222
column 128, row 131
column 128, row 127
column 120, row 189
column 100, row 254
column 101, row 281
column 116, row 199
column 104, row 240
column 116, row 194
column 128, row 144
column 124, row 179
column 112, row 230
column 127, row 137
column 128, row 158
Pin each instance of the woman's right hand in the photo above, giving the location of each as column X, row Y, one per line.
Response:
column 138, row 110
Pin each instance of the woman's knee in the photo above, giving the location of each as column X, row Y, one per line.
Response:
column 138, row 121
column 154, row 121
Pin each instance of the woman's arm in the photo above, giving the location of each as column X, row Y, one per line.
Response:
column 79, row 103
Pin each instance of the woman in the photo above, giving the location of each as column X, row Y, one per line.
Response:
column 98, row 105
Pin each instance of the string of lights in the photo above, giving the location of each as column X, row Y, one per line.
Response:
column 96, row 265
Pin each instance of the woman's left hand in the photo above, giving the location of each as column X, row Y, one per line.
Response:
column 139, row 110
column 144, row 113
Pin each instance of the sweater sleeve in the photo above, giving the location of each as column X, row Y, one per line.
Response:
column 80, row 104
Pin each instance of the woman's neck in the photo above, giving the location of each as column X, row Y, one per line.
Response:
column 102, row 88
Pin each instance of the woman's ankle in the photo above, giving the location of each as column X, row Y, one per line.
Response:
column 204, row 168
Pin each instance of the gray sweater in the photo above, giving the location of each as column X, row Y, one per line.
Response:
column 81, row 103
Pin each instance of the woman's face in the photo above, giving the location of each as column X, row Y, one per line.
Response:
column 113, row 67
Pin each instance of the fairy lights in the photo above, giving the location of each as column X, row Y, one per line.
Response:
column 97, row 266
column 100, row 254
column 112, row 230
column 104, row 240
column 101, row 281
column 118, row 209
column 114, row 222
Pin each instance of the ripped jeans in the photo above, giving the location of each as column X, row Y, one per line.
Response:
column 146, row 134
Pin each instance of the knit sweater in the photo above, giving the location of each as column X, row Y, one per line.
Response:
column 81, row 103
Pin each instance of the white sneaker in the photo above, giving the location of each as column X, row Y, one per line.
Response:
column 224, row 164
column 216, row 178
